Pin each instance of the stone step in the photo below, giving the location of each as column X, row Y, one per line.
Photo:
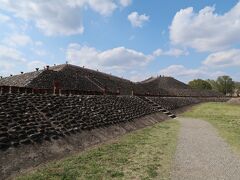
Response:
column 155, row 105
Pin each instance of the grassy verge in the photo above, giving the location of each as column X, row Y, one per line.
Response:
column 225, row 117
column 143, row 154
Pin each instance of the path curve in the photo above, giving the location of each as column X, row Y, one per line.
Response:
column 202, row 154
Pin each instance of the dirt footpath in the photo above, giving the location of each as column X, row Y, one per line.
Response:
column 202, row 154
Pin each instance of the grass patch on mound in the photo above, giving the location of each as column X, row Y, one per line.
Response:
column 225, row 117
column 143, row 154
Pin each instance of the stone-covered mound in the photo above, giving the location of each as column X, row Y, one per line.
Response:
column 33, row 118
column 70, row 77
column 165, row 82
column 168, row 86
column 21, row 80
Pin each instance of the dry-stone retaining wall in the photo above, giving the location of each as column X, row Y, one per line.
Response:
column 171, row 103
column 33, row 118
column 174, row 103
column 193, row 93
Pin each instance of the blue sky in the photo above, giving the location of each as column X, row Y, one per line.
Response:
column 133, row 39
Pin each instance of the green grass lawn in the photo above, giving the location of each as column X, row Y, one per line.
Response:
column 143, row 154
column 225, row 117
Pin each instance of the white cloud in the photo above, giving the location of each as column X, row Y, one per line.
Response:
column 13, row 61
column 125, row 3
column 176, row 52
column 38, row 43
column 57, row 17
column 104, row 7
column 171, row 52
column 206, row 30
column 180, row 70
column 32, row 65
column 52, row 18
column 187, row 74
column 10, row 54
column 6, row 21
column 10, row 59
column 17, row 40
column 137, row 76
column 137, row 20
column 119, row 58
column 223, row 58
column 4, row 18
column 39, row 51
column 158, row 52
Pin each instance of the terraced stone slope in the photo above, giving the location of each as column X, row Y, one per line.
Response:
column 33, row 118
column 72, row 77
column 168, row 86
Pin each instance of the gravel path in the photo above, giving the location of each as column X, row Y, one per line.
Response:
column 202, row 154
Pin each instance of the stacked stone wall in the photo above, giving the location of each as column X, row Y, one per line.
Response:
column 171, row 103
column 33, row 118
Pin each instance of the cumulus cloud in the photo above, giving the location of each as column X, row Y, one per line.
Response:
column 115, row 58
column 223, row 58
column 38, row 43
column 206, row 30
column 119, row 58
column 17, row 40
column 58, row 17
column 187, row 74
column 10, row 58
column 171, row 52
column 12, row 61
column 35, row 64
column 125, row 3
column 104, row 7
column 137, row 20
column 10, row 54
column 21, row 40
column 52, row 18
column 39, row 51
column 180, row 70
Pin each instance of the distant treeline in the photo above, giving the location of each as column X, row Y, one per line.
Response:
column 223, row 84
